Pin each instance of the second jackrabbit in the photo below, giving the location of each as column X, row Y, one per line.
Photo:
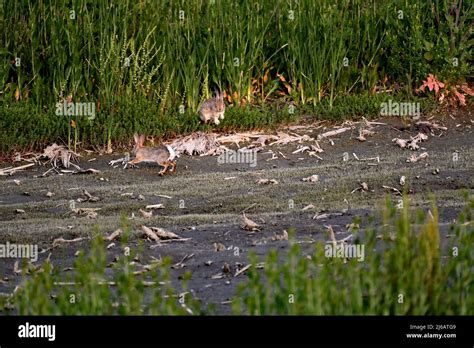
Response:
column 213, row 109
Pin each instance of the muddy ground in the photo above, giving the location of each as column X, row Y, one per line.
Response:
column 207, row 199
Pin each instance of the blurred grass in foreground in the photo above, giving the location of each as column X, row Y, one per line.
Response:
column 409, row 274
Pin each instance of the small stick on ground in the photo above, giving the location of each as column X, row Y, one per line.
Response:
column 10, row 171
column 242, row 270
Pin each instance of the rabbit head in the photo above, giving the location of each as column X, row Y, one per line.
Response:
column 220, row 106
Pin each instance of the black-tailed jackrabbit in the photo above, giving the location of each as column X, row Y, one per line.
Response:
column 213, row 109
column 164, row 155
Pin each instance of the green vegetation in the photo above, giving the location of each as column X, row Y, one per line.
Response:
column 411, row 261
column 88, row 291
column 412, row 275
column 147, row 65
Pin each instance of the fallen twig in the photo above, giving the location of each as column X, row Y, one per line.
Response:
column 242, row 270
column 10, row 171
column 333, row 132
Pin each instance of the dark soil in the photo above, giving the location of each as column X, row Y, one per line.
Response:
column 206, row 205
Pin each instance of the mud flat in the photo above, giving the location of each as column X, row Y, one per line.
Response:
column 205, row 199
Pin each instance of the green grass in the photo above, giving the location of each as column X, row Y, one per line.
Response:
column 142, row 63
column 411, row 273
column 87, row 291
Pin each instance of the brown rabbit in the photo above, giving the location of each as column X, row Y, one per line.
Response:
column 213, row 109
column 164, row 155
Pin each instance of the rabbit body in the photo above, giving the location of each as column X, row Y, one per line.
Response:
column 213, row 109
column 163, row 155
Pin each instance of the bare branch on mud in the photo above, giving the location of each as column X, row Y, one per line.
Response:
column 267, row 182
column 158, row 234
column 197, row 143
column 363, row 133
column 58, row 155
column 11, row 171
column 249, row 207
column 218, row 276
column 312, row 150
column 146, row 214
column 414, row 158
column 393, row 189
column 309, row 206
column 16, row 267
column 428, row 127
column 114, row 235
column 123, row 161
column 49, row 170
column 250, row 225
column 60, row 241
column 284, row 138
column 312, row 178
column 155, row 206
column 412, row 143
column 402, row 180
column 301, row 149
column 242, row 270
column 150, row 234
column 90, row 197
column 325, row 216
column 333, row 132
column 343, row 240
column 363, row 187
column 181, row 263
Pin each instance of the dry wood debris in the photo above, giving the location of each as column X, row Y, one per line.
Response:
column 250, row 225
column 58, row 155
column 267, row 182
column 197, row 144
column 13, row 170
column 312, row 178
column 158, row 234
column 414, row 158
column 411, row 143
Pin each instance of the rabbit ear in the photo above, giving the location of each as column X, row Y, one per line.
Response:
column 141, row 139
column 136, row 138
